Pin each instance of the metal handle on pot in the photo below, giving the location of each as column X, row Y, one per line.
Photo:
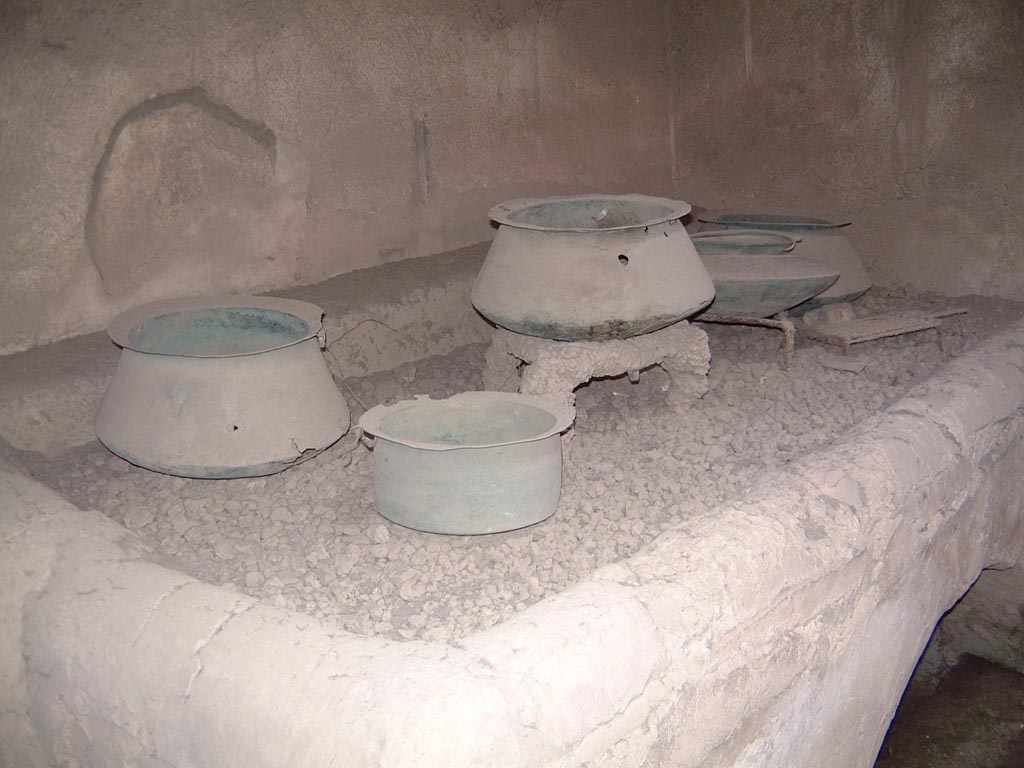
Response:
column 368, row 440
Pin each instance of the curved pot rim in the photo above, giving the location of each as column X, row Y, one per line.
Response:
column 120, row 328
column 785, row 221
column 370, row 423
column 502, row 211
column 725, row 242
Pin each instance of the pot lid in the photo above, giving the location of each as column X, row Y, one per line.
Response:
column 217, row 326
column 435, row 425
column 588, row 213
column 769, row 221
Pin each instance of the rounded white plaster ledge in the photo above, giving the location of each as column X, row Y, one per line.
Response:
column 778, row 630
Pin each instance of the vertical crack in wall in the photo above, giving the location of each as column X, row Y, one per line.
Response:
column 748, row 42
column 910, row 93
column 671, row 66
column 420, row 135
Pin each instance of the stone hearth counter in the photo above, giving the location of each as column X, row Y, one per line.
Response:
column 779, row 629
column 311, row 540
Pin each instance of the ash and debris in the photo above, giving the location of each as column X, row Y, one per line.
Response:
column 309, row 538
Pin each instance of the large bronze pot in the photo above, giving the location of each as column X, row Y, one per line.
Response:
column 223, row 387
column 819, row 239
column 591, row 267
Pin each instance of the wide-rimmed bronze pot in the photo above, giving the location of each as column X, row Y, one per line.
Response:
column 591, row 267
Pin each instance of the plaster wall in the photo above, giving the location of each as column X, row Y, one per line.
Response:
column 902, row 115
column 778, row 630
column 154, row 149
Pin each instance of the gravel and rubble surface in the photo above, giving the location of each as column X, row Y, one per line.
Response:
column 310, row 540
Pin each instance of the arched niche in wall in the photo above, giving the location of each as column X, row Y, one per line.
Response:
column 191, row 197
column 988, row 621
column 980, row 640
